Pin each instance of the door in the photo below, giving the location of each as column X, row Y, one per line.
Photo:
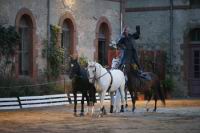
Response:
column 102, row 58
column 195, row 71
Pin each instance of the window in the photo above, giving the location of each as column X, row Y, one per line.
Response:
column 195, row 34
column 195, row 3
column 102, row 50
column 25, row 32
column 66, row 38
column 196, row 63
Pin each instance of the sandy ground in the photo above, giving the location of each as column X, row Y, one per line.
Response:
column 179, row 116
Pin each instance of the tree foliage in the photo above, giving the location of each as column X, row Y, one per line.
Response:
column 9, row 40
column 54, row 54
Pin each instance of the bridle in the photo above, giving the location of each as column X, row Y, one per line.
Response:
column 94, row 78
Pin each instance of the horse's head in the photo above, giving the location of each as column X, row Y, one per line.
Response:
column 74, row 68
column 115, row 63
column 92, row 69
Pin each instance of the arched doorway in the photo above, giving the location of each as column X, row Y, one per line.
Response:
column 103, row 44
column 25, row 46
column 194, row 62
column 103, row 34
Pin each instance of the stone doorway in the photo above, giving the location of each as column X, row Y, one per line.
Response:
column 194, row 63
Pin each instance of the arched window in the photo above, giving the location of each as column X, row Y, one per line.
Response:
column 25, row 31
column 66, row 37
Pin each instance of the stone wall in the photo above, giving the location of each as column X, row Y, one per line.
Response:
column 154, row 18
column 86, row 14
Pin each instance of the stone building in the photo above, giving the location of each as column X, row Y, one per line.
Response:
column 89, row 25
column 172, row 26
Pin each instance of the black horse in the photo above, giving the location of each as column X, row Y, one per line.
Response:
column 151, row 86
column 80, row 83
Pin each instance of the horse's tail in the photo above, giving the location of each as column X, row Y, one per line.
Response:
column 161, row 93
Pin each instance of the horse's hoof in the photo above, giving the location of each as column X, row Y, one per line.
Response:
column 104, row 113
column 87, row 113
column 81, row 114
column 75, row 114
column 133, row 109
column 147, row 110
column 100, row 115
column 126, row 106
column 122, row 110
column 111, row 109
column 154, row 110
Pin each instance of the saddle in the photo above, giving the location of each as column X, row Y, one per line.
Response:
column 140, row 73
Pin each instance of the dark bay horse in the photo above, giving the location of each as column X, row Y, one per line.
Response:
column 151, row 86
column 80, row 83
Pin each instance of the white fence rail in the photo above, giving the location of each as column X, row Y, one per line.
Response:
column 43, row 101
column 9, row 103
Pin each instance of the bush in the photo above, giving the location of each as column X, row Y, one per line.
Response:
column 10, row 87
column 168, row 84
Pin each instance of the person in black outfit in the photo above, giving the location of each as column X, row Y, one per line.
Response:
column 126, row 45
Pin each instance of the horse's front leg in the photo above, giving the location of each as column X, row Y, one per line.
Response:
column 102, row 108
column 82, row 104
column 87, row 95
column 75, row 102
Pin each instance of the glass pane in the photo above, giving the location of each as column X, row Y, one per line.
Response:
column 195, row 35
column 197, row 75
column 197, row 61
column 195, row 3
column 24, row 50
column 66, row 40
column 196, row 53
column 197, row 68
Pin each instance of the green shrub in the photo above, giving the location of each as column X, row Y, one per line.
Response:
column 10, row 87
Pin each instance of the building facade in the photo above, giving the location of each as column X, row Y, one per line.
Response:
column 87, row 27
column 174, row 27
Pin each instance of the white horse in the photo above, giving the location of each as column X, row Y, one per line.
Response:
column 104, row 80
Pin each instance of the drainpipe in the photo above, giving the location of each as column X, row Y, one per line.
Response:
column 122, row 11
column 48, row 32
column 48, row 23
column 121, row 16
column 171, row 34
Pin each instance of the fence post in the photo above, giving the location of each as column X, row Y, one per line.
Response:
column 20, row 105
